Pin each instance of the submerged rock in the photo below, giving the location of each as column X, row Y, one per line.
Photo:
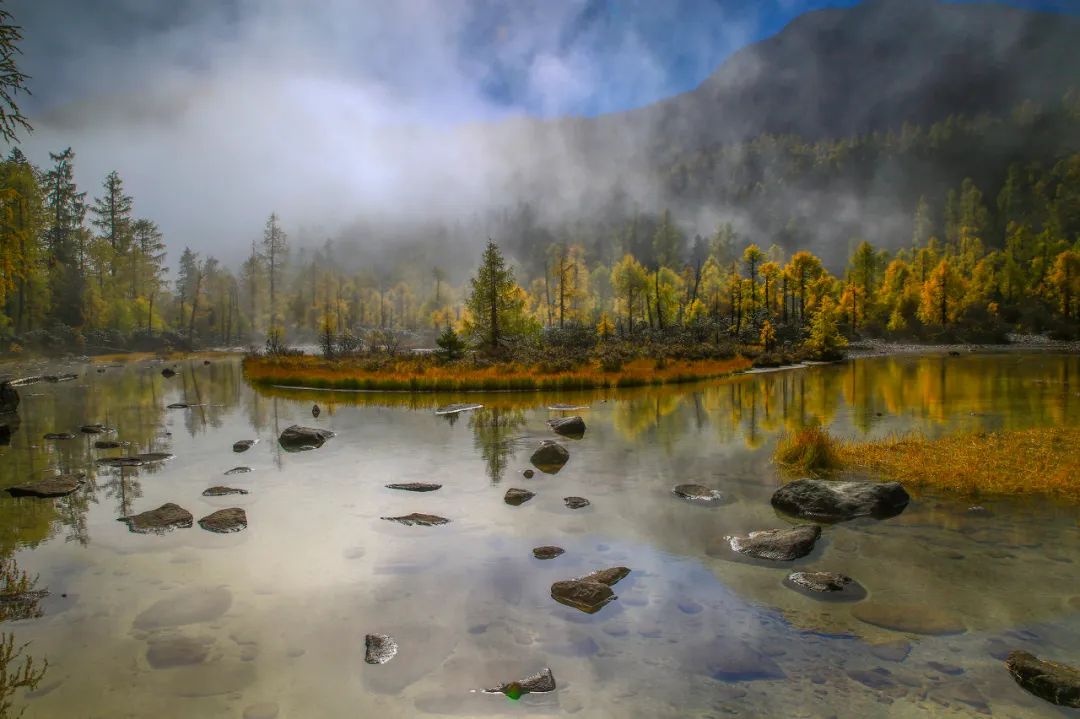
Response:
column 733, row 660
column 244, row 445
column 826, row 585
column 779, row 545
column 59, row 486
column 96, row 429
column 192, row 605
column 166, row 652
column 515, row 496
column 164, row 518
column 108, row 444
column 455, row 408
column 220, row 491
column 297, row 438
column 590, row 593
column 541, row 682
column 238, row 470
column 119, row 462
column 415, row 486
column 9, row 396
column 379, row 648
column 550, row 457
column 547, row 552
column 58, row 435
column 1056, row 683
column 179, row 405
column 697, row 493
column 423, row 520
column 168, row 372
column 576, row 502
column 224, row 521
column 836, row 500
column 568, row 426
column 909, row 618
column 315, row 411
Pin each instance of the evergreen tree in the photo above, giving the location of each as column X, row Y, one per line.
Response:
column 493, row 301
column 12, row 80
column 275, row 250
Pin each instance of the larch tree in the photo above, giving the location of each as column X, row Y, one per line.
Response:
column 12, row 80
column 275, row 250
column 493, row 299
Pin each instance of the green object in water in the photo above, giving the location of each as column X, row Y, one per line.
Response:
column 513, row 691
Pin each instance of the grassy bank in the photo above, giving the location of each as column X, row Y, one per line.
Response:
column 415, row 374
column 1042, row 461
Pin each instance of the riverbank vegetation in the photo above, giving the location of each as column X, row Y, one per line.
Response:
column 1038, row 461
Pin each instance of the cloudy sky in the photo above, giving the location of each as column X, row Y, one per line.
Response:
column 215, row 113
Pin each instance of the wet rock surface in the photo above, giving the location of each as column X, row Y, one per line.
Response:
column 58, row 436
column 697, row 493
column 58, row 486
column 778, row 545
column 541, row 682
column 550, row 457
column 837, row 501
column 909, row 618
column 298, row 439
column 107, row 444
column 244, row 445
column 379, row 648
column 573, row 427
column 733, row 660
column 515, row 496
column 576, row 502
column 1056, row 683
column 826, row 585
column 315, row 411
column 96, row 429
column 187, row 606
column 419, row 519
column 134, row 460
column 590, row 593
column 166, row 652
column 415, row 486
column 238, row 470
column 220, row 491
column 547, row 552
column 224, row 521
column 156, row 521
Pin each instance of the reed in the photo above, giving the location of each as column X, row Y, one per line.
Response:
column 811, row 450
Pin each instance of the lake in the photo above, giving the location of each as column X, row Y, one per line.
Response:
column 271, row 621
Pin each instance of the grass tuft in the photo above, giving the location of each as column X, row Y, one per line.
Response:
column 811, row 450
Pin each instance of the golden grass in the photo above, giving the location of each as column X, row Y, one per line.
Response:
column 1043, row 461
column 810, row 450
column 422, row 375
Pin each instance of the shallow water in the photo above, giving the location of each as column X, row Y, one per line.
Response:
column 273, row 618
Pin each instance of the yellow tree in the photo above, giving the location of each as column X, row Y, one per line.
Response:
column 941, row 295
column 1065, row 279
column 629, row 281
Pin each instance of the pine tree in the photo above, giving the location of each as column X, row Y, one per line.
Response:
column 64, row 238
column 493, row 299
column 12, row 80
column 112, row 217
column 275, row 250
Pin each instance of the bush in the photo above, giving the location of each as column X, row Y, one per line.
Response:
column 451, row 346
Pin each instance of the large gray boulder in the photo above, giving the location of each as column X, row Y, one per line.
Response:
column 573, row 427
column 297, row 438
column 1056, row 683
column 837, row 501
column 550, row 457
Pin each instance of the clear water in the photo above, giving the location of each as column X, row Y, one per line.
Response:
column 273, row 618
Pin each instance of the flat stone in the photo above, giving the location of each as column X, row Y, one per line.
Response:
column 550, row 457
column 826, row 585
column 610, row 576
column 186, row 606
column 119, row 462
column 58, row 435
column 244, row 445
column 588, row 597
column 58, row 486
column 576, row 502
column 224, row 521
column 107, row 444
column 779, row 545
column 733, row 660
column 836, row 501
column 879, row 678
column 423, row 520
column 1056, row 683
column 894, row 651
column 415, row 486
column 961, row 692
column 178, row 405
column 568, row 426
column 697, row 493
column 169, row 652
column 379, row 648
column 238, row 470
column 547, row 552
column 541, row 682
column 164, row 518
column 220, row 491
column 909, row 618
column 515, row 496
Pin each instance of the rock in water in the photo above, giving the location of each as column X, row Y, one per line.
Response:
column 576, row 502
column 315, row 411
column 297, row 439
column 697, row 493
column 178, row 405
column 550, row 457
column 9, row 396
column 826, row 585
column 58, row 435
column 415, row 486
column 780, row 545
column 379, row 648
column 168, row 372
column 732, row 660
column 590, row 593
column 160, row 520
column 547, row 552
column 423, row 520
column 9, row 425
column 107, row 444
column 455, row 408
column 528, row 474
column 238, row 470
column 244, row 445
column 838, row 501
column 568, row 426
column 541, row 682
column 515, row 496
column 224, row 521
column 59, row 486
column 96, row 429
column 1056, row 683
column 220, row 491
column 909, row 618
